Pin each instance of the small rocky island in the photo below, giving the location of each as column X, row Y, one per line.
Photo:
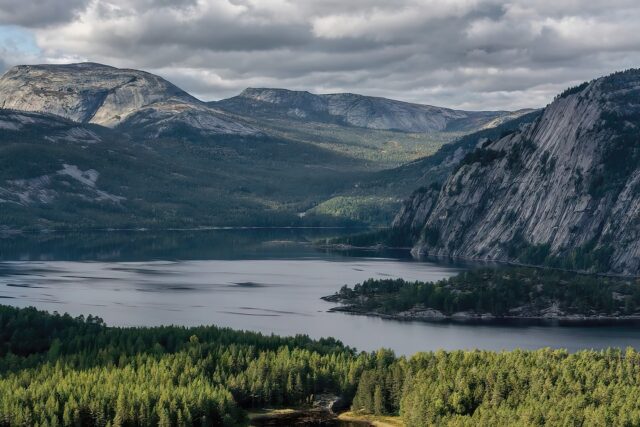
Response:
column 497, row 294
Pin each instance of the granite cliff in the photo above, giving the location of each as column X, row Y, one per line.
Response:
column 562, row 191
column 111, row 97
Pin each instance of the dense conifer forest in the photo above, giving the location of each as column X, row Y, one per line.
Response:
column 59, row 370
column 500, row 292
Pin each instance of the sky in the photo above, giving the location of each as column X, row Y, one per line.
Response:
column 467, row 54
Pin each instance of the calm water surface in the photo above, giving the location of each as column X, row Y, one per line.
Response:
column 263, row 280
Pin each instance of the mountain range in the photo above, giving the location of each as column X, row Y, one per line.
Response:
column 358, row 110
column 92, row 146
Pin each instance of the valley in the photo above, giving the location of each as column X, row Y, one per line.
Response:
column 164, row 159
column 242, row 213
column 90, row 150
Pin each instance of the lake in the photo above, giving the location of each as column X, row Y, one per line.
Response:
column 267, row 280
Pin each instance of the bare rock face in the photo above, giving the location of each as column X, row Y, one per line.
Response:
column 563, row 191
column 381, row 113
column 108, row 96
column 53, row 128
column 361, row 111
column 166, row 118
column 84, row 92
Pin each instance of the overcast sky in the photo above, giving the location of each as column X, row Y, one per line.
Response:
column 472, row 54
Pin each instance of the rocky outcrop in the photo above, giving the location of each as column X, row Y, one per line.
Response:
column 53, row 128
column 564, row 191
column 180, row 119
column 361, row 111
column 108, row 96
column 44, row 189
column 85, row 92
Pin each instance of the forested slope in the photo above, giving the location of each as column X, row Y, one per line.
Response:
column 58, row 370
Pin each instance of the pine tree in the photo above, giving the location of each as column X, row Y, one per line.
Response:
column 378, row 401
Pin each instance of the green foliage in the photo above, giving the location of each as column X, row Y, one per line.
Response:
column 380, row 148
column 533, row 388
column 484, row 156
column 573, row 90
column 594, row 256
column 621, row 154
column 361, row 209
column 77, row 371
column 520, row 249
column 619, row 120
column 186, row 180
column 498, row 292
column 517, row 154
column 587, row 257
column 431, row 235
column 58, row 370
column 388, row 237
column 429, row 171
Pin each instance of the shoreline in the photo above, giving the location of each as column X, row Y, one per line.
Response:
column 425, row 256
column 488, row 319
column 203, row 228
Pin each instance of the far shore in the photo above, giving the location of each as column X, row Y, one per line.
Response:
column 435, row 316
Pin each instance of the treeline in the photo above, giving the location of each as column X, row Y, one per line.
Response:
column 56, row 370
column 517, row 388
column 59, row 370
column 500, row 292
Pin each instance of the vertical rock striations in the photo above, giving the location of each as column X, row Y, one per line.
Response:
column 563, row 191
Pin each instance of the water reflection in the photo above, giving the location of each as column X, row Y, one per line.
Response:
column 170, row 245
column 263, row 280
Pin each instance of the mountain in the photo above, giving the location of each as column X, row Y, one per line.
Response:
column 60, row 174
column 182, row 119
column 111, row 97
column 563, row 191
column 93, row 146
column 358, row 110
column 379, row 197
column 433, row 170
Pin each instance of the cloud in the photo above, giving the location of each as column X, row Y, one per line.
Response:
column 474, row 54
column 36, row 13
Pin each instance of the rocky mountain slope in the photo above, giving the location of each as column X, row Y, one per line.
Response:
column 358, row 110
column 563, row 191
column 108, row 96
column 88, row 145
column 60, row 174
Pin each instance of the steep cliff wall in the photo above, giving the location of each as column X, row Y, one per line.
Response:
column 564, row 191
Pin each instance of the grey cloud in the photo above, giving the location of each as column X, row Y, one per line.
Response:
column 486, row 54
column 35, row 13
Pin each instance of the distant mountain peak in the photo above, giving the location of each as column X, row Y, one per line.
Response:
column 84, row 92
column 89, row 92
column 256, row 91
column 358, row 110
